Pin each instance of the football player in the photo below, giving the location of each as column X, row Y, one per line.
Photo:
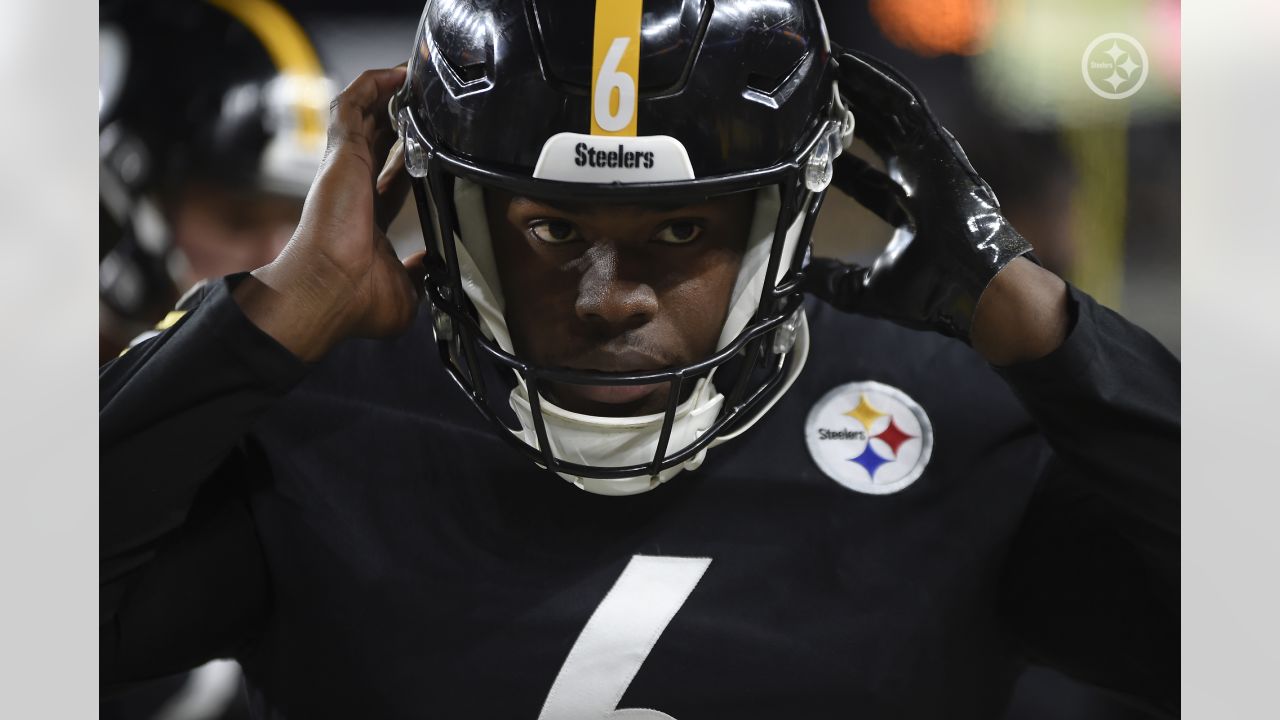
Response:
column 620, row 465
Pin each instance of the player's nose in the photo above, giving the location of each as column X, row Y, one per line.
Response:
column 608, row 297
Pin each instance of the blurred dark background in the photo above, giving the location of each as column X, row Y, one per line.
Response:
column 1093, row 183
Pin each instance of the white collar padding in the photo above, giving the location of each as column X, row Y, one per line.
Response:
column 621, row 441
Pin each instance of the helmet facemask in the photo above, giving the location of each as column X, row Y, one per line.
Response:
column 762, row 346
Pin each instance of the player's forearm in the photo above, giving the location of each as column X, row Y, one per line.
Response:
column 1092, row 583
column 1108, row 400
column 171, row 411
column 303, row 311
column 181, row 576
column 1022, row 315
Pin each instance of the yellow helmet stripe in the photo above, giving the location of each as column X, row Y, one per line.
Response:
column 615, row 67
column 290, row 51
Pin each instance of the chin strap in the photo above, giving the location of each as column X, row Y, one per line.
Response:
column 619, row 441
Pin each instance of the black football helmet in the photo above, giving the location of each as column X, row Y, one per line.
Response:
column 230, row 92
column 619, row 101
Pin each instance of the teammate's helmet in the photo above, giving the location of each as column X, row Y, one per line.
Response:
column 223, row 91
column 619, row 101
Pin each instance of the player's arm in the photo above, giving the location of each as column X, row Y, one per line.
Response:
column 1092, row 586
column 1092, row 583
column 182, row 577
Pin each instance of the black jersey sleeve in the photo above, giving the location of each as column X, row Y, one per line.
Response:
column 181, row 573
column 1092, row 584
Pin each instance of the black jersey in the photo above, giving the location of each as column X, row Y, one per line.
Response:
column 366, row 546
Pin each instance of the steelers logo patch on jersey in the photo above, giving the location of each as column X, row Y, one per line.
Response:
column 869, row 437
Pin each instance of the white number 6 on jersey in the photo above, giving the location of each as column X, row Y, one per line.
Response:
column 618, row 637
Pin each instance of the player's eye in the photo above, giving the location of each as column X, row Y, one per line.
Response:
column 680, row 232
column 555, row 232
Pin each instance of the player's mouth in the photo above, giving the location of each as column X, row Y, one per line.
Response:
column 610, row 394
column 611, row 400
column 614, row 400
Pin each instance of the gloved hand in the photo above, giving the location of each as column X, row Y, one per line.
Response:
column 952, row 238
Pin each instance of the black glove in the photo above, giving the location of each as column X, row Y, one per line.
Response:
column 952, row 237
